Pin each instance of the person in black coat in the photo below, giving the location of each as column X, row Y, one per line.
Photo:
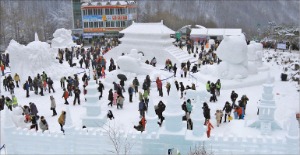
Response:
column 233, row 97
column 175, row 70
column 206, row 112
column 33, row 109
column 34, row 123
column 110, row 97
column 122, row 84
column 183, row 107
column 30, row 83
column 100, row 89
column 177, row 85
column 181, row 89
column 2, row 103
column 50, row 85
column 227, row 109
column 159, row 110
column 213, row 92
column 110, row 115
column 77, row 95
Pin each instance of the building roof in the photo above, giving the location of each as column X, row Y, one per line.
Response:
column 215, row 31
column 108, row 3
column 148, row 28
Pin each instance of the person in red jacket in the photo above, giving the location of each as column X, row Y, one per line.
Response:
column 159, row 86
column 239, row 111
column 2, row 69
column 209, row 126
column 142, row 125
column 65, row 96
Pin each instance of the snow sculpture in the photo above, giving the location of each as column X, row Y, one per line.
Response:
column 35, row 58
column 93, row 117
column 254, row 56
column 197, row 118
column 233, row 53
column 132, row 63
column 151, row 117
column 69, row 127
column 173, row 112
column 267, row 107
column 194, row 94
column 292, row 136
column 62, row 39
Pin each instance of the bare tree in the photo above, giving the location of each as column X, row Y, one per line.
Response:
column 200, row 150
column 121, row 141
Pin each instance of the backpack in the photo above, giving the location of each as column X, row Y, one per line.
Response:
column 24, row 86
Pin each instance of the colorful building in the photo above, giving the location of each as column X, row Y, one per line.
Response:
column 107, row 18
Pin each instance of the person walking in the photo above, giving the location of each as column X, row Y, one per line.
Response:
column 142, row 108
column 50, row 85
column 218, row 87
column 77, row 93
column 26, row 87
column 174, row 69
column 159, row 110
column 65, row 96
column 100, row 89
column 159, row 86
column 227, row 109
column 168, row 86
column 62, row 120
column 189, row 106
column 110, row 97
column 136, row 84
column 181, row 89
column 130, row 92
column 209, row 127
column 53, row 106
column 17, row 79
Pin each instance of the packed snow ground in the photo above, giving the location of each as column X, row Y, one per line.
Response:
column 286, row 97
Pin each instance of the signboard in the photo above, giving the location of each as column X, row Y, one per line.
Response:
column 281, row 46
column 97, row 30
column 92, row 18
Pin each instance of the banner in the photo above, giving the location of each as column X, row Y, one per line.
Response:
column 281, row 46
column 92, row 18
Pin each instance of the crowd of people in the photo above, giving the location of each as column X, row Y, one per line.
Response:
column 92, row 58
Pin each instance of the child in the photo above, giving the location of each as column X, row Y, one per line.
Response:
column 209, row 126
column 103, row 73
column 218, row 117
column 142, row 125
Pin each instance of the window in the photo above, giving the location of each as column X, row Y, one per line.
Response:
column 118, row 24
column 91, row 25
column 112, row 24
column 100, row 24
column 107, row 24
column 96, row 25
column 107, row 11
column 99, row 11
column 122, row 23
column 90, row 12
column 112, row 11
column 85, row 25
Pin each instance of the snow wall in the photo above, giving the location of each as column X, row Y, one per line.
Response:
column 95, row 141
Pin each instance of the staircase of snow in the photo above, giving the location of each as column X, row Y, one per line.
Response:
column 180, row 55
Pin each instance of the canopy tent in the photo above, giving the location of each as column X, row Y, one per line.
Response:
column 214, row 32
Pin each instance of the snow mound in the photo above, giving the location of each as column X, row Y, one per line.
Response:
column 35, row 58
column 233, row 53
column 62, row 39
column 132, row 63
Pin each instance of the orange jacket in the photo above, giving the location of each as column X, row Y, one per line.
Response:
column 209, row 126
column 66, row 94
